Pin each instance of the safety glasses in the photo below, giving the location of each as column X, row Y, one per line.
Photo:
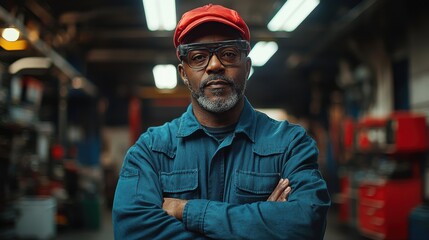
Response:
column 198, row 55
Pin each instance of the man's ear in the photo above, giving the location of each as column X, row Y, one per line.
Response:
column 182, row 73
column 248, row 66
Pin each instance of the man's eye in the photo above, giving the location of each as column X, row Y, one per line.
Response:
column 230, row 53
column 198, row 57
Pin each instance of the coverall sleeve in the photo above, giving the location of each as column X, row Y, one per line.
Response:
column 303, row 216
column 137, row 209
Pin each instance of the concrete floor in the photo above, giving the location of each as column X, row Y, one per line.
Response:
column 334, row 230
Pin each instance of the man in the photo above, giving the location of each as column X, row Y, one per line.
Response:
column 222, row 170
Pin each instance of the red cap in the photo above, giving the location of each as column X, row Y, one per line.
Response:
column 209, row 13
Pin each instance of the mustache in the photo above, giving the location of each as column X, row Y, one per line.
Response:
column 216, row 77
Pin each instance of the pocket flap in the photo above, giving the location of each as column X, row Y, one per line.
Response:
column 179, row 181
column 268, row 150
column 257, row 183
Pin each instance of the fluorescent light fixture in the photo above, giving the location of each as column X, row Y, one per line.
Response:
column 292, row 14
column 262, row 52
column 165, row 76
column 160, row 14
column 10, row 34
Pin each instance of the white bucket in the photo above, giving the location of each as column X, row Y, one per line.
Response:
column 36, row 218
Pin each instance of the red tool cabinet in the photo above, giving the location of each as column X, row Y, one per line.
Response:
column 388, row 183
column 384, row 207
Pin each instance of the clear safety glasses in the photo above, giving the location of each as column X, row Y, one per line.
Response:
column 198, row 55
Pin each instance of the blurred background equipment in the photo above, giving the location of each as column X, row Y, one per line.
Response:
column 382, row 180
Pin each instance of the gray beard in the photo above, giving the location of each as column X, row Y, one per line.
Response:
column 218, row 105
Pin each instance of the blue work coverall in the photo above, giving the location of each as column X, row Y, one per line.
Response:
column 227, row 183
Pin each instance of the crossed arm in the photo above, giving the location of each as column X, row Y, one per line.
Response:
column 174, row 206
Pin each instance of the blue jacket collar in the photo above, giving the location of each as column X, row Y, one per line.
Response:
column 246, row 123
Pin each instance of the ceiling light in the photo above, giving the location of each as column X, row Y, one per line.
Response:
column 165, row 76
column 292, row 14
column 262, row 52
column 10, row 34
column 160, row 14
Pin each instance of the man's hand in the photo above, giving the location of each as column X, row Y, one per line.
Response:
column 174, row 207
column 281, row 192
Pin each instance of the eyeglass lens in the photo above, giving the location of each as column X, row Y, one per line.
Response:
column 227, row 55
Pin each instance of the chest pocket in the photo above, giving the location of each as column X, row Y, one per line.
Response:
column 254, row 187
column 181, row 184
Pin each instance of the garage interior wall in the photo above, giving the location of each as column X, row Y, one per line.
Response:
column 419, row 65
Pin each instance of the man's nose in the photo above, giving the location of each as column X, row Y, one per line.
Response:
column 214, row 64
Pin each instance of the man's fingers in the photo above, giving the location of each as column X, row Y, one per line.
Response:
column 278, row 191
column 285, row 194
